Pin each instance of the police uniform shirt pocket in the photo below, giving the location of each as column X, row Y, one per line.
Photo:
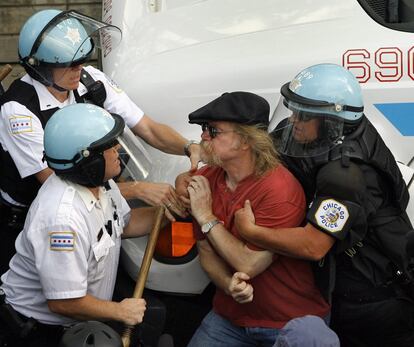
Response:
column 102, row 246
column 122, row 212
column 118, row 229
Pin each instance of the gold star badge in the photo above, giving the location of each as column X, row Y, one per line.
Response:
column 73, row 35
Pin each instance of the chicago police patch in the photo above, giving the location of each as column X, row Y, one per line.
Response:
column 331, row 215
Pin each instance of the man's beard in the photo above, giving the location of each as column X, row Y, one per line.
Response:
column 208, row 156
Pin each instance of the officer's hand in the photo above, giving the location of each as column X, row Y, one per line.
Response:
column 156, row 194
column 244, row 220
column 185, row 202
column 195, row 156
column 132, row 311
column 181, row 184
column 239, row 289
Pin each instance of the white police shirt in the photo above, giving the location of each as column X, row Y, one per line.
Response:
column 65, row 251
column 24, row 142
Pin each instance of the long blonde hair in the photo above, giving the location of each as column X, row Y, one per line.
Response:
column 266, row 156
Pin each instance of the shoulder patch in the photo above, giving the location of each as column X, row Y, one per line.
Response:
column 20, row 124
column 331, row 215
column 62, row 241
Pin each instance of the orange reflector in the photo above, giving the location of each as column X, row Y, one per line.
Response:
column 175, row 240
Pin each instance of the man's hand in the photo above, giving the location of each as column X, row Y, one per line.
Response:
column 132, row 311
column 244, row 220
column 239, row 289
column 201, row 200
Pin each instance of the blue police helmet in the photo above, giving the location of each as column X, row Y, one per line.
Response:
column 55, row 38
column 327, row 89
column 90, row 334
column 75, row 138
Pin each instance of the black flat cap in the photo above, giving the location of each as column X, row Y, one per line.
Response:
column 238, row 107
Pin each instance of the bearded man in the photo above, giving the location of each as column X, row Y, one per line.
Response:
column 257, row 292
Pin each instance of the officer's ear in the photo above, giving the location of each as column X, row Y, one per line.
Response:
column 94, row 168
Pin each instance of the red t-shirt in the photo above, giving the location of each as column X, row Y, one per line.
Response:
column 286, row 289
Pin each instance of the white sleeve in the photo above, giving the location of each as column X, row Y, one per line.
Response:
column 117, row 101
column 21, row 134
column 63, row 272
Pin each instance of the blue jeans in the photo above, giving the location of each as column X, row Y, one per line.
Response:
column 215, row 331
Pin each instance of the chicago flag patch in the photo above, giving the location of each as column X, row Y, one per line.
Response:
column 20, row 124
column 62, row 241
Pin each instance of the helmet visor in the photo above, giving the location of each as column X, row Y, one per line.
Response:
column 104, row 36
column 69, row 40
column 70, row 37
column 124, row 157
column 134, row 158
column 303, row 130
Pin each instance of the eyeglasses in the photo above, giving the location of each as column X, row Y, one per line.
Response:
column 213, row 131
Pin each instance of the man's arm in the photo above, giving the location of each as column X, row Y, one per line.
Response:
column 129, row 311
column 141, row 222
column 217, row 270
column 301, row 242
column 156, row 134
column 236, row 252
column 153, row 194
column 233, row 250
column 166, row 139
column 234, row 285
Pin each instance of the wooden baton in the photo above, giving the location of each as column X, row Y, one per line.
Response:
column 5, row 71
column 145, row 266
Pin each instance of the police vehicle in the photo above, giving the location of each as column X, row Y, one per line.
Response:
column 177, row 55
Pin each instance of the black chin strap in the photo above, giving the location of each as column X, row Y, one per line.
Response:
column 58, row 88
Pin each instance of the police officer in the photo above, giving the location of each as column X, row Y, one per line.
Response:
column 66, row 257
column 356, row 224
column 53, row 45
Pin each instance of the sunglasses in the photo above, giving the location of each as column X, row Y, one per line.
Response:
column 213, row 131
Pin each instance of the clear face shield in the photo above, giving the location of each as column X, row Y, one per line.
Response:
column 118, row 155
column 303, row 130
column 67, row 41
column 134, row 159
